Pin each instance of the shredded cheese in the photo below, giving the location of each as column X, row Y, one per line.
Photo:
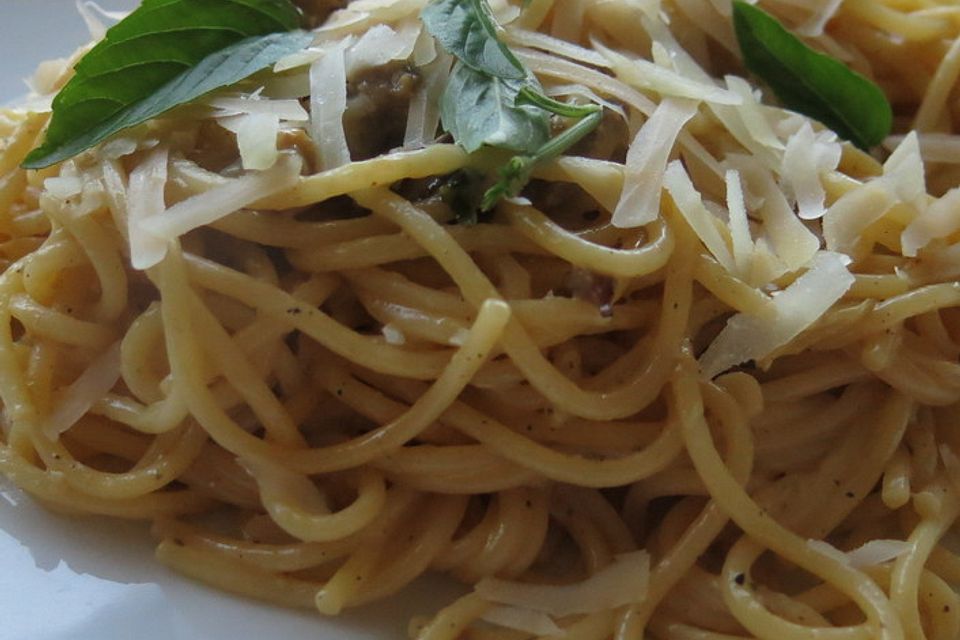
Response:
column 94, row 383
column 647, row 157
column 747, row 337
column 328, row 102
column 692, row 208
column 807, row 157
column 208, row 207
column 145, row 200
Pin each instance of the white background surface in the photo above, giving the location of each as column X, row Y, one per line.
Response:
column 65, row 578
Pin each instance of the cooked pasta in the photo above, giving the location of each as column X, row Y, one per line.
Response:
column 699, row 381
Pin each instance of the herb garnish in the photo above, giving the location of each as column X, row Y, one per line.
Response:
column 165, row 54
column 810, row 82
column 492, row 100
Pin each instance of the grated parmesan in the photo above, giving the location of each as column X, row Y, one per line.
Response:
column 807, row 157
column 647, row 157
column 162, row 226
column 747, row 337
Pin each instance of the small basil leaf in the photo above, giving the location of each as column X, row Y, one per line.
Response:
column 466, row 30
column 516, row 173
column 478, row 109
column 164, row 54
column 810, row 82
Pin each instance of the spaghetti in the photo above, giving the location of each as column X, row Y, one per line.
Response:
column 728, row 416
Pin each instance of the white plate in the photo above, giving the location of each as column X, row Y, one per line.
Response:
column 68, row 578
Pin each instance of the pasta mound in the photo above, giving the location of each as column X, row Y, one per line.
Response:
column 699, row 380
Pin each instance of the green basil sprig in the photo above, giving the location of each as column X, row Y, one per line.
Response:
column 492, row 100
column 165, row 54
column 810, row 82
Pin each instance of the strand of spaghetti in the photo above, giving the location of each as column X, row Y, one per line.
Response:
column 236, row 368
column 627, row 399
column 458, row 469
column 102, row 251
column 509, row 551
column 184, row 354
column 296, row 505
column 360, row 568
column 907, row 569
column 375, row 251
column 615, row 262
column 365, row 350
column 167, row 457
column 451, row 621
column 17, row 404
column 557, row 465
column 697, row 537
column 58, row 326
column 271, row 229
column 235, row 577
column 591, row 545
column 436, row 159
column 433, row 528
column 55, row 490
column 745, row 604
column 737, row 504
column 289, row 557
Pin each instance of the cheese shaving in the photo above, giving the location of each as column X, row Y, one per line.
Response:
column 328, row 102
column 747, row 337
column 903, row 172
column 94, row 15
column 94, row 383
column 423, row 116
column 145, row 199
column 934, row 147
column 393, row 335
column 622, row 582
column 380, row 45
column 741, row 239
column 639, row 202
column 563, row 48
column 877, row 552
column 807, row 157
column 648, row 76
column 691, row 207
column 63, row 187
column 257, row 140
column 525, row 620
column 851, row 214
column 792, row 242
column 223, row 200
column 939, row 220
column 753, row 114
column 816, row 23
column 289, row 110
column 871, row 554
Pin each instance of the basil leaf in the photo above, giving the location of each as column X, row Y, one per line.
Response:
column 164, row 54
column 467, row 31
column 810, row 82
column 492, row 99
column 516, row 173
column 478, row 110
